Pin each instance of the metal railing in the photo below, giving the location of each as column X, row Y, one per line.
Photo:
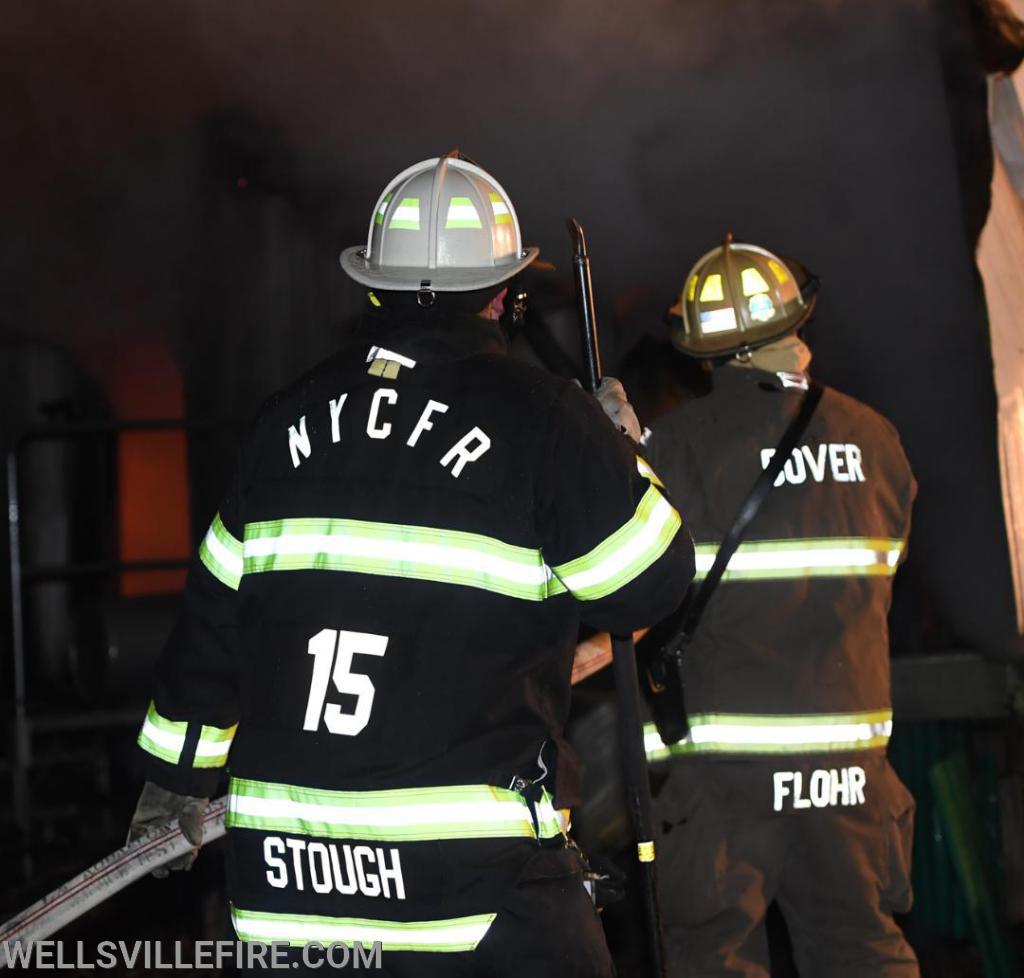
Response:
column 25, row 723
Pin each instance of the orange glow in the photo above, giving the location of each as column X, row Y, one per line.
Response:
column 153, row 499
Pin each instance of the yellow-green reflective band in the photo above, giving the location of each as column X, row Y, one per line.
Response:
column 378, row 218
column 396, row 815
column 745, row 733
column 161, row 737
column 712, row 290
column 222, row 554
column 626, row 554
column 502, row 215
column 393, row 550
column 213, row 746
column 462, row 214
column 648, row 473
column 406, row 216
column 774, row 560
column 451, row 935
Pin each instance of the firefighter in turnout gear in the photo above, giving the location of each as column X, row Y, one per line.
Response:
column 378, row 632
column 781, row 789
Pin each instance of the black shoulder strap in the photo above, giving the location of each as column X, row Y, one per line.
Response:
column 793, row 433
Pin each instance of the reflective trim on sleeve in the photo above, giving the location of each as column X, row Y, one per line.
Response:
column 776, row 560
column 396, row 815
column 723, row 733
column 648, row 473
column 222, row 554
column 451, row 935
column 626, row 554
column 393, row 550
column 161, row 737
column 213, row 746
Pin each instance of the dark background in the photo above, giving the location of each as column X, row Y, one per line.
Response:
column 184, row 174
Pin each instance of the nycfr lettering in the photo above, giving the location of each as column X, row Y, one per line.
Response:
column 839, row 462
column 469, row 448
column 826, row 788
column 332, row 868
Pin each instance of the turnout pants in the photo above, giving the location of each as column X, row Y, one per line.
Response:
column 547, row 927
column 828, row 837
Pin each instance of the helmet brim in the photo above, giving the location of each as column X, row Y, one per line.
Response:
column 705, row 348
column 407, row 279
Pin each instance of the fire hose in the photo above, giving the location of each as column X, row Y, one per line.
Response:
column 110, row 875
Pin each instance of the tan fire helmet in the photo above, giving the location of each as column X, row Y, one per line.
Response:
column 738, row 297
column 442, row 225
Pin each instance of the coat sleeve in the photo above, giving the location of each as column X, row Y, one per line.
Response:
column 610, row 534
column 192, row 718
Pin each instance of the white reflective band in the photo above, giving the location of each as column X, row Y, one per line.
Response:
column 170, row 743
column 502, row 215
column 406, row 552
column 757, row 734
column 793, row 379
column 609, row 567
column 406, row 216
column 452, row 935
column 647, row 472
column 462, row 214
column 382, row 210
column 395, row 815
column 213, row 746
column 165, row 739
column 221, row 553
column 813, row 557
column 161, row 737
column 717, row 320
column 379, row 353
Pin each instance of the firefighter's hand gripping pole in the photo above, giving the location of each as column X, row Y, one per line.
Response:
column 627, row 687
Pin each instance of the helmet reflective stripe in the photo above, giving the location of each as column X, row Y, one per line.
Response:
column 753, row 282
column 502, row 215
column 462, row 214
column 712, row 290
column 378, row 218
column 406, row 216
column 720, row 733
column 444, row 225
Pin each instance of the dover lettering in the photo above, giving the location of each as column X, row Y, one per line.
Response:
column 468, row 448
column 840, row 462
column 827, row 788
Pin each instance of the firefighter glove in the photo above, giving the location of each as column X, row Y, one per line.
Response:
column 158, row 805
column 612, row 397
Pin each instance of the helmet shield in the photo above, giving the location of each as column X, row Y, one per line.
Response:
column 737, row 297
column 443, row 224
